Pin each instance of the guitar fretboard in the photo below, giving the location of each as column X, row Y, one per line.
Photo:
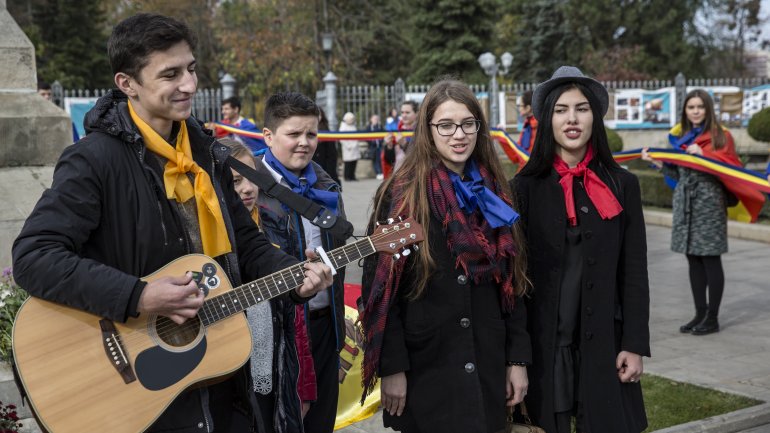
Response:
column 266, row 288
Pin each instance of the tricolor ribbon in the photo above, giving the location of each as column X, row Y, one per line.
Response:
column 322, row 135
column 747, row 185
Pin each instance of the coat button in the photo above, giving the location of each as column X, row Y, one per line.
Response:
column 470, row 368
column 200, row 425
column 465, row 322
column 589, row 335
column 462, row 280
column 589, row 311
column 589, row 234
column 584, row 209
column 591, row 261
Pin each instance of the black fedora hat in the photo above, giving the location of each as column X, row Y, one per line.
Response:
column 567, row 74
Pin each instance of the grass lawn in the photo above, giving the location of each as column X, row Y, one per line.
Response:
column 670, row 403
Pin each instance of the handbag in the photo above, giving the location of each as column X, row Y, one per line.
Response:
column 511, row 426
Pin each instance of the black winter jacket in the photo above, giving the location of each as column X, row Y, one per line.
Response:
column 614, row 300
column 105, row 222
column 452, row 343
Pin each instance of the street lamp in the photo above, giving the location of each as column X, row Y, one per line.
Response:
column 330, row 81
column 488, row 62
column 327, row 41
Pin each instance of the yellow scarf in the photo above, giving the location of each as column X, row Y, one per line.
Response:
column 180, row 161
column 255, row 216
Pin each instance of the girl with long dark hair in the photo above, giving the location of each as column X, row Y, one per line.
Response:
column 589, row 307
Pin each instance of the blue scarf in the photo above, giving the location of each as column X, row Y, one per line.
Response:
column 681, row 143
column 526, row 137
column 472, row 194
column 327, row 199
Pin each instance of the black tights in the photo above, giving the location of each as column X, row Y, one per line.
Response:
column 706, row 271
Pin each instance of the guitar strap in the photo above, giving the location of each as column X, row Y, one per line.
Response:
column 318, row 215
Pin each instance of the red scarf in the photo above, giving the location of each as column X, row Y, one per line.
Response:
column 483, row 253
column 599, row 193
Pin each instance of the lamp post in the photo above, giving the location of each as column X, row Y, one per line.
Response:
column 327, row 41
column 330, row 81
column 488, row 62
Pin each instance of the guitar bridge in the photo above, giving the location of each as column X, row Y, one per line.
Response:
column 114, row 350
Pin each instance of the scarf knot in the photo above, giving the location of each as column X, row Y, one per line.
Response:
column 472, row 194
column 681, row 143
column 303, row 183
column 214, row 236
column 598, row 192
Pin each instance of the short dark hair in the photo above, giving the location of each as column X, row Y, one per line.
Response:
column 134, row 39
column 232, row 101
column 42, row 85
column 281, row 106
column 415, row 105
column 526, row 98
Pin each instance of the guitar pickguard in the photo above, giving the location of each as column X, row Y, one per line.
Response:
column 158, row 368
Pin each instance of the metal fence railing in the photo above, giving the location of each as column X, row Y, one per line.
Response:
column 206, row 102
column 365, row 100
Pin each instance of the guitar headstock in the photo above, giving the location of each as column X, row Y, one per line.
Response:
column 396, row 236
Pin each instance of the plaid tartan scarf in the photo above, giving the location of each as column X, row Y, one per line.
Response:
column 484, row 254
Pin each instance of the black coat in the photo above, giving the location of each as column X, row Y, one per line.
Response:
column 614, row 310
column 453, row 344
column 105, row 222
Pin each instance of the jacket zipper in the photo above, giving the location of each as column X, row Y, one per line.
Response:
column 157, row 202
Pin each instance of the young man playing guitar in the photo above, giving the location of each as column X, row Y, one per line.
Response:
column 146, row 186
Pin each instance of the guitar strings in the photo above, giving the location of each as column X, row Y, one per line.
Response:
column 169, row 327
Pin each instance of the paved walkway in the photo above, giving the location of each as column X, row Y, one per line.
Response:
column 735, row 360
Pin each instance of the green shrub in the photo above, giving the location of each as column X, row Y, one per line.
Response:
column 616, row 143
column 655, row 192
column 11, row 298
column 759, row 126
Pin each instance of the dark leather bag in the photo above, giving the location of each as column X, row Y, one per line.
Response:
column 512, row 426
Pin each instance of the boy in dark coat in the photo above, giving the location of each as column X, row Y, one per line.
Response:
column 145, row 186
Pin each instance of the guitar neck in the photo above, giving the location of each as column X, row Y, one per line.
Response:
column 242, row 297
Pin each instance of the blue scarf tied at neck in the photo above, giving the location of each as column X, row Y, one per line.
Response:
column 681, row 143
column 472, row 194
column 301, row 185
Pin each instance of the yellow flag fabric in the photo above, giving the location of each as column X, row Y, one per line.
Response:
column 349, row 408
column 180, row 162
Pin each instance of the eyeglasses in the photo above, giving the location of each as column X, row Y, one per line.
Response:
column 448, row 129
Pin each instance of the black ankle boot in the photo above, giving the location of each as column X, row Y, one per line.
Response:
column 709, row 325
column 700, row 314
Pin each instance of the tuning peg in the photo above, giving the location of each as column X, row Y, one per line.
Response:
column 416, row 247
column 377, row 223
column 396, row 256
column 400, row 218
column 390, row 220
column 406, row 252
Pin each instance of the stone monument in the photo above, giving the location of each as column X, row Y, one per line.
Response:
column 33, row 131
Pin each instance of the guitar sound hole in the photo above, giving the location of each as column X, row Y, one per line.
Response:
column 177, row 335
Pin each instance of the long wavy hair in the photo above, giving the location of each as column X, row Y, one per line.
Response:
column 409, row 184
column 541, row 160
column 710, row 121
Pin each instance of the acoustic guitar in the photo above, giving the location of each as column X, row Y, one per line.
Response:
column 82, row 372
